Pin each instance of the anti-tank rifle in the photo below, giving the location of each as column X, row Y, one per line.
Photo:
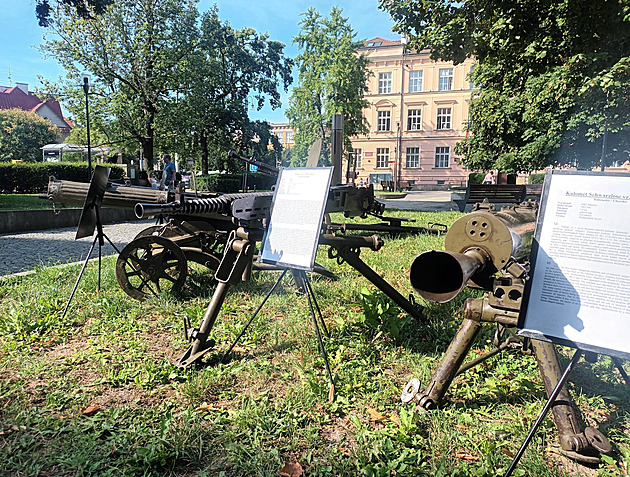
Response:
column 489, row 250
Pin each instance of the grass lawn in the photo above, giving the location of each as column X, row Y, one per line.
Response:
column 97, row 394
column 24, row 202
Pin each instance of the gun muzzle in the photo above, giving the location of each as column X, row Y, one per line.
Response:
column 440, row 276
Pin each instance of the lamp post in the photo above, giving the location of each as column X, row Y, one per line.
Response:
column 86, row 88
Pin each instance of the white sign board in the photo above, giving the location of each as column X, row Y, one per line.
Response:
column 578, row 294
column 297, row 211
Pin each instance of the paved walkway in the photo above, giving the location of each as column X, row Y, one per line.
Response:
column 24, row 251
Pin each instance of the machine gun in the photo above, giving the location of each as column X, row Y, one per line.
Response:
column 249, row 214
column 356, row 201
column 117, row 196
column 489, row 250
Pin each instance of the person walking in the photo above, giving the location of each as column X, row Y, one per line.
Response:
column 168, row 173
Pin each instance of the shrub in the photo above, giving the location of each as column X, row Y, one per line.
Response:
column 476, row 177
column 536, row 178
column 33, row 178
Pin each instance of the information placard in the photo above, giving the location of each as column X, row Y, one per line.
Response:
column 297, row 211
column 580, row 276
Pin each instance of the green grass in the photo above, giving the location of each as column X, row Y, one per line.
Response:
column 113, row 356
column 23, row 202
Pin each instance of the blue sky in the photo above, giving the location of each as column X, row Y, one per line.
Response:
column 20, row 61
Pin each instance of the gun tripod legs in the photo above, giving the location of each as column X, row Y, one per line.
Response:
column 583, row 446
column 446, row 370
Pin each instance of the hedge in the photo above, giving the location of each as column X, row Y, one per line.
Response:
column 234, row 182
column 536, row 179
column 33, row 178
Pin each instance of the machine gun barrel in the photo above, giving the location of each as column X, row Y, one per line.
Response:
column 196, row 207
column 451, row 272
column 266, row 168
column 116, row 196
column 477, row 246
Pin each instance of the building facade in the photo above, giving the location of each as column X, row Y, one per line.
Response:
column 284, row 133
column 19, row 97
column 418, row 110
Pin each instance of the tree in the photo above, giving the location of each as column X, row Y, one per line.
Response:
column 227, row 67
column 23, row 133
column 332, row 80
column 133, row 50
column 553, row 76
column 83, row 8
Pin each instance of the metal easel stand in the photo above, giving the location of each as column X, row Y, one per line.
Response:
column 313, row 306
column 545, row 410
column 100, row 235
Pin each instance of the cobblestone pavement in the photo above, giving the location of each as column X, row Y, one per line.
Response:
column 24, row 251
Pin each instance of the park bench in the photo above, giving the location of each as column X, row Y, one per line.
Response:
column 493, row 193
column 402, row 185
column 387, row 185
column 533, row 189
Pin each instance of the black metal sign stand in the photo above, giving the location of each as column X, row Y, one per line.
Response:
column 91, row 220
column 543, row 413
column 311, row 301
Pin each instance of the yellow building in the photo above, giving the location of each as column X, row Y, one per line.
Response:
column 284, row 133
column 418, row 111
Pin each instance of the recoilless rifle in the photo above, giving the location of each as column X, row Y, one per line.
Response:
column 489, row 250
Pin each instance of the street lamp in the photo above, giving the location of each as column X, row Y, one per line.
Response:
column 86, row 88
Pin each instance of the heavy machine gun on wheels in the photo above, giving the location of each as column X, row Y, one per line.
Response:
column 489, row 250
column 249, row 215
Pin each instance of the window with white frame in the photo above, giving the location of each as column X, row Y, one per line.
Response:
column 442, row 156
column 384, row 83
column 382, row 157
column 443, row 118
column 280, row 135
column 445, row 79
column 358, row 158
column 289, row 137
column 412, row 158
column 415, row 81
column 414, row 119
column 384, row 121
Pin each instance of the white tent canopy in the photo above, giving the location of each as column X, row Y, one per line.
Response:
column 54, row 152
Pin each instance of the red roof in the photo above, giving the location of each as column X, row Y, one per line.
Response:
column 15, row 98
column 378, row 41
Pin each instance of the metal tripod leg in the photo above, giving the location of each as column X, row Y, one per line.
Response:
column 236, row 259
column 240, row 335
column 76, row 283
column 319, row 312
column 447, row 369
column 583, row 446
column 552, row 397
column 319, row 335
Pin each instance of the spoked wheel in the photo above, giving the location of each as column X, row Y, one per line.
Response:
column 150, row 265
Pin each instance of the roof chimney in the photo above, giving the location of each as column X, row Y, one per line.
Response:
column 22, row 87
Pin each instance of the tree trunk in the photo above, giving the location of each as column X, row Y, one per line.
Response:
column 204, row 152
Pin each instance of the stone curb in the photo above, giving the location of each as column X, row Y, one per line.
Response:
column 14, row 221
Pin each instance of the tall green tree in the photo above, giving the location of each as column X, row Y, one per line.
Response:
column 553, row 76
column 23, row 133
column 332, row 80
column 133, row 50
column 228, row 69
